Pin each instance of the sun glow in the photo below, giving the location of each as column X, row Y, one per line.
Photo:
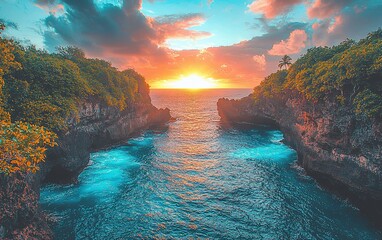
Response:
column 192, row 81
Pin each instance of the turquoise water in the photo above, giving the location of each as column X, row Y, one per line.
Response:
column 197, row 178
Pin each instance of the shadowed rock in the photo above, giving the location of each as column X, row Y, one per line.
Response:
column 341, row 150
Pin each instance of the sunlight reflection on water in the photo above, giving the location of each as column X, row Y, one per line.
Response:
column 200, row 179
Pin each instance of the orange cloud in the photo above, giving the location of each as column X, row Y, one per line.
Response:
column 240, row 65
column 126, row 37
column 294, row 44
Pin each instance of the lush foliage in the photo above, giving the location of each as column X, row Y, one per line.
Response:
column 48, row 87
column 116, row 88
column 39, row 91
column 272, row 85
column 45, row 91
column 350, row 72
column 22, row 145
column 6, row 63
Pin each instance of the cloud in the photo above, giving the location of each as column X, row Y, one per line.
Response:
column 354, row 23
column 129, row 39
column 260, row 61
column 272, row 8
column 177, row 26
column 121, row 34
column 322, row 9
column 51, row 6
column 235, row 63
column 294, row 44
column 112, row 29
column 338, row 21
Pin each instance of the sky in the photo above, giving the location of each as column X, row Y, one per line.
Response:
column 229, row 43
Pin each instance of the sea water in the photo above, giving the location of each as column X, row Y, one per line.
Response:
column 199, row 178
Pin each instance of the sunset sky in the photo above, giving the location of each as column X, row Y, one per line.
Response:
column 220, row 43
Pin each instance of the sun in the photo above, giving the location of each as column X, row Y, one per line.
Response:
column 192, row 81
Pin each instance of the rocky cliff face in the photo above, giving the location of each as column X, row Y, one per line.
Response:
column 20, row 216
column 99, row 126
column 342, row 151
column 96, row 126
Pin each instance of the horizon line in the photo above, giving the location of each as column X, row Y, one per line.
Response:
column 199, row 88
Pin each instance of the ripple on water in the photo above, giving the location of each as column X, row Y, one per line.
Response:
column 200, row 179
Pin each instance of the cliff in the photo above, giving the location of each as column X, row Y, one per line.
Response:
column 99, row 126
column 96, row 126
column 341, row 150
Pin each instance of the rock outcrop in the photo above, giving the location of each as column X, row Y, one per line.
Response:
column 341, row 150
column 99, row 126
column 20, row 216
column 96, row 126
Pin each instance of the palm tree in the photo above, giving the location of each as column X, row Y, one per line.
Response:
column 285, row 62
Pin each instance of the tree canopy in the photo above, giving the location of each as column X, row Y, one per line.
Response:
column 41, row 91
column 350, row 71
column 47, row 89
column 22, row 145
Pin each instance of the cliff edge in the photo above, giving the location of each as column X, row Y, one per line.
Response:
column 328, row 104
column 96, row 126
column 341, row 150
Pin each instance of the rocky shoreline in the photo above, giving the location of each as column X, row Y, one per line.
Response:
column 342, row 151
column 96, row 126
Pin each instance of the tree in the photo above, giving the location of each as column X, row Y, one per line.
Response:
column 350, row 72
column 71, row 52
column 6, row 63
column 285, row 62
column 22, row 145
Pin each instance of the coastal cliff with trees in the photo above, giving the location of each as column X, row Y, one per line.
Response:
column 329, row 106
column 55, row 109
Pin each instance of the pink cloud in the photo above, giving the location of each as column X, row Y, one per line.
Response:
column 354, row 23
column 322, row 9
column 177, row 26
column 260, row 61
column 338, row 21
column 50, row 6
column 294, row 44
column 243, row 65
column 272, row 8
column 126, row 37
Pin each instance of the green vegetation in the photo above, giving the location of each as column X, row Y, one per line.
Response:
column 47, row 88
column 285, row 61
column 39, row 91
column 22, row 145
column 350, row 72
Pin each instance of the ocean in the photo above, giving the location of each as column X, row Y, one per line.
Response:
column 198, row 178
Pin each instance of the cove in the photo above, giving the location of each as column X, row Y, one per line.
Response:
column 197, row 178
